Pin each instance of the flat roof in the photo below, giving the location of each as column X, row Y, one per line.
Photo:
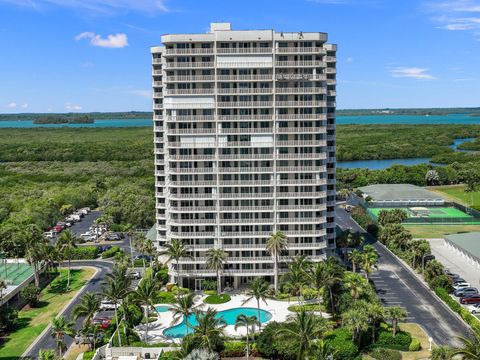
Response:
column 470, row 242
column 399, row 192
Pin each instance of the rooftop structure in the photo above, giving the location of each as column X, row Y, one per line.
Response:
column 244, row 125
column 17, row 274
column 467, row 245
column 398, row 195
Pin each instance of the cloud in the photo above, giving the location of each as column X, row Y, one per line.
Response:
column 24, row 106
column 349, row 59
column 97, row 7
column 142, row 93
column 11, row 105
column 411, row 72
column 72, row 107
column 456, row 15
column 118, row 41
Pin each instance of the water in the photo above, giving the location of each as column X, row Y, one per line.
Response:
column 98, row 124
column 229, row 316
column 457, row 142
column 409, row 119
column 161, row 309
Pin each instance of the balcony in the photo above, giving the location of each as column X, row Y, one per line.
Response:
column 193, row 209
column 188, row 51
column 302, row 117
column 192, row 221
column 259, row 77
column 245, row 130
column 300, row 50
column 331, row 82
column 157, row 72
column 173, row 65
column 319, row 207
column 313, row 194
column 191, row 158
column 193, row 196
column 306, row 232
column 232, row 234
column 157, row 61
column 246, row 221
column 300, row 64
column 302, row 182
column 331, row 104
column 312, row 220
column 253, row 195
column 301, row 90
column 158, row 106
column 294, row 76
column 293, row 246
column 245, row 182
column 157, row 94
column 189, row 78
column 301, row 130
column 301, row 169
column 245, row 208
column 192, row 170
column 246, row 91
column 246, row 144
column 197, row 234
column 246, row 156
column 189, row 92
column 192, row 118
column 239, row 104
column 249, row 50
column 195, row 183
column 193, row 131
column 245, row 170
column 331, row 93
column 330, row 59
column 301, row 103
column 158, row 128
column 244, row 117
column 321, row 156
column 330, row 70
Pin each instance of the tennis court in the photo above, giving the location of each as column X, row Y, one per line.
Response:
column 14, row 274
column 431, row 215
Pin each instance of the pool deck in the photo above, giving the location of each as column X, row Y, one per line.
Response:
column 278, row 309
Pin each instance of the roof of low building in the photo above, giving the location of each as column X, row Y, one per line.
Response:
column 399, row 192
column 469, row 242
column 152, row 233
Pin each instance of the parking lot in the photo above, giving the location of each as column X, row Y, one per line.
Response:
column 83, row 226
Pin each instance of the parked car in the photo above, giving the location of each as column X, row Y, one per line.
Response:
column 86, row 234
column 465, row 291
column 141, row 257
column 460, row 285
column 112, row 237
column 104, row 248
column 58, row 228
column 471, row 299
column 103, row 318
column 49, row 234
column 135, row 275
column 474, row 309
column 107, row 305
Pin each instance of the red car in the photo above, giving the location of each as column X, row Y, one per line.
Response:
column 58, row 228
column 473, row 299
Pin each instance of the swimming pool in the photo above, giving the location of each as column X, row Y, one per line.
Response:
column 230, row 315
column 162, row 308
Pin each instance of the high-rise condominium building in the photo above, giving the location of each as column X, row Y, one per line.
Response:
column 244, row 126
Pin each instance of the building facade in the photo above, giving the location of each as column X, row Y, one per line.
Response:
column 244, row 125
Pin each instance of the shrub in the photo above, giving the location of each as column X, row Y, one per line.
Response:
column 162, row 275
column 265, row 343
column 307, row 307
column 442, row 281
column 309, row 294
column 169, row 355
column 341, row 341
column 386, row 354
column 234, row 349
column 401, row 341
column 179, row 290
column 282, row 296
column 209, row 285
column 88, row 355
column 210, row 292
column 84, row 253
column 217, row 299
column 30, row 294
column 8, row 318
column 165, row 297
column 415, row 345
column 111, row 252
column 135, row 313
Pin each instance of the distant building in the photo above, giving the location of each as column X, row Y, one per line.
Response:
column 467, row 245
column 400, row 195
column 244, row 125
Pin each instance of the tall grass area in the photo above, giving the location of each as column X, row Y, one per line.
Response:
column 33, row 321
column 457, row 193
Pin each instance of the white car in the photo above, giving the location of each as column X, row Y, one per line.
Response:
column 108, row 305
column 461, row 285
column 474, row 309
column 49, row 234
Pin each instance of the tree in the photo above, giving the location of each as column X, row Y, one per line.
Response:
column 184, row 307
column 369, row 259
column 375, row 314
column 471, row 180
column 209, row 328
column 355, row 257
column 47, row 354
column 89, row 305
column 331, row 274
column 201, row 354
column 247, row 322
column 35, row 247
column 433, row 269
column 90, row 332
column 140, row 245
column 390, row 217
column 355, row 284
column 418, row 248
column 395, row 314
column 441, row 353
column 30, row 294
column 61, row 327
column 432, row 177
column 146, row 294
column 215, row 260
column 470, row 348
column 356, row 321
column 66, row 243
column 306, row 328
column 175, row 251
column 258, row 290
column 322, row 350
column 276, row 243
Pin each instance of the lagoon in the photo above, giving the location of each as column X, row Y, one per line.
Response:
column 100, row 123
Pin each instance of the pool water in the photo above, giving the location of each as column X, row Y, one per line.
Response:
column 161, row 309
column 230, row 315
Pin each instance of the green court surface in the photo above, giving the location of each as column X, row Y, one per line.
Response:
column 432, row 212
column 15, row 274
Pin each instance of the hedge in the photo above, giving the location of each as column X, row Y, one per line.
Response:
column 386, row 354
column 111, row 252
column 341, row 341
column 210, row 292
column 217, row 299
column 234, row 349
column 88, row 355
column 459, row 309
column 165, row 297
column 401, row 341
column 307, row 307
column 415, row 345
column 84, row 253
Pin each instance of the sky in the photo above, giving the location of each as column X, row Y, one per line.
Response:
column 94, row 55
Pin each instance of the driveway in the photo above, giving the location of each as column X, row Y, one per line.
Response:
column 396, row 285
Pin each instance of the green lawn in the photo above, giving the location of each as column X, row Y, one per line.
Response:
column 33, row 321
column 438, row 231
column 457, row 193
column 217, row 299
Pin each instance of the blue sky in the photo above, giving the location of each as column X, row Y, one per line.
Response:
column 93, row 55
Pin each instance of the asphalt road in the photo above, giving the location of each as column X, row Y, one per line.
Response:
column 396, row 285
column 93, row 286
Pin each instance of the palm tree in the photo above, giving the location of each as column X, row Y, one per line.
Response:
column 201, row 354
column 146, row 294
column 35, row 247
column 209, row 327
column 322, row 350
column 470, row 349
column 215, row 260
column 369, row 259
column 140, row 245
column 356, row 284
column 355, row 257
column 47, row 354
column 247, row 322
column 66, row 243
column 297, row 274
column 432, row 177
column 175, row 251
column 116, row 291
column 276, row 243
column 330, row 277
column 356, row 321
column 306, row 328
column 441, row 353
column 61, row 326
column 259, row 291
column 89, row 305
column 375, row 314
column 90, row 331
column 395, row 314
column 315, row 277
column 150, row 249
column 418, row 248
column 184, row 307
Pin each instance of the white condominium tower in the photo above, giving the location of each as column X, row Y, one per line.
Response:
column 244, row 125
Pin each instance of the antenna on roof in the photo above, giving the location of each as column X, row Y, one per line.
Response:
column 300, row 35
column 281, row 34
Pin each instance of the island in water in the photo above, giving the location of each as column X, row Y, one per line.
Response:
column 57, row 119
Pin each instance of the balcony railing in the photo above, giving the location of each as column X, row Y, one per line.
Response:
column 192, row 234
column 190, row 118
column 290, row 130
column 300, row 64
column 244, row 117
column 295, row 76
column 301, row 90
column 301, row 168
column 259, row 77
column 193, row 209
column 245, row 182
column 302, row 156
column 191, row 131
column 246, row 91
column 237, row 104
column 246, row 156
column 172, row 65
column 157, row 61
column 301, row 50
column 249, row 50
column 319, row 207
column 245, row 208
column 193, row 221
column 246, row 221
column 330, row 58
column 245, row 169
column 312, row 220
column 189, row 91
column 302, row 182
column 313, row 194
column 191, row 157
column 301, row 103
column 188, row 51
column 245, row 130
column 302, row 117
column 193, row 196
column 189, row 78
column 254, row 195
column 192, row 170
